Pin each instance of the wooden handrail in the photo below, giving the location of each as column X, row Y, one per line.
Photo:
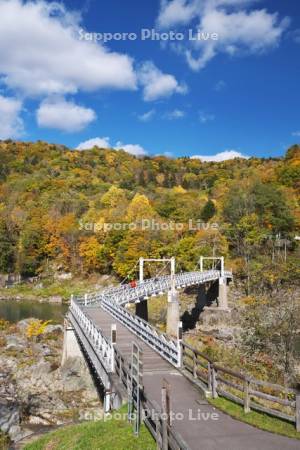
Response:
column 175, row 441
column 197, row 352
column 277, row 387
column 231, row 372
column 210, row 376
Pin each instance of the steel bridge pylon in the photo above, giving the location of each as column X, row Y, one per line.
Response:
column 173, row 309
column 173, row 306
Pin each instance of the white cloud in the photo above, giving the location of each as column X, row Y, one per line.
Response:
column 42, row 54
column 296, row 35
column 11, row 124
column 147, row 116
column 239, row 30
column 104, row 142
column 95, row 142
column 133, row 149
column 166, row 154
column 169, row 115
column 220, row 85
column 175, row 114
column 296, row 133
column 205, row 117
column 64, row 116
column 176, row 12
column 223, row 156
column 157, row 84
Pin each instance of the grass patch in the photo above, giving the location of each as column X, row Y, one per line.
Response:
column 4, row 441
column 257, row 419
column 33, row 292
column 49, row 288
column 113, row 434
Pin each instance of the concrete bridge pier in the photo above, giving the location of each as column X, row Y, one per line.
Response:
column 141, row 309
column 223, row 301
column 107, row 406
column 112, row 394
column 71, row 348
column 173, row 313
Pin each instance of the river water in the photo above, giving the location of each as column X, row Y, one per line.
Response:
column 13, row 310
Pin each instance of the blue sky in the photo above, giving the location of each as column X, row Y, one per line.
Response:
column 236, row 92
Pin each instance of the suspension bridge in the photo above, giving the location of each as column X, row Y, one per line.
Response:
column 155, row 380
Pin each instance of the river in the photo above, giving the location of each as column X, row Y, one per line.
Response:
column 13, row 310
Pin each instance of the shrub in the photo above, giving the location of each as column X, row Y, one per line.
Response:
column 36, row 328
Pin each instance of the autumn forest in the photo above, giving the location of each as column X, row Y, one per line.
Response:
column 58, row 207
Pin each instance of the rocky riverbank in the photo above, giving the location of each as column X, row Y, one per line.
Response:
column 54, row 289
column 34, row 388
column 221, row 335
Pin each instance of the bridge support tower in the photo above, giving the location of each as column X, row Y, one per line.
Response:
column 141, row 309
column 71, row 347
column 223, row 301
column 173, row 313
column 222, row 283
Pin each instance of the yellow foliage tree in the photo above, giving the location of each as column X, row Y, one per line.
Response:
column 62, row 242
column 113, row 197
column 36, row 328
column 137, row 243
column 140, row 208
column 179, row 190
column 90, row 251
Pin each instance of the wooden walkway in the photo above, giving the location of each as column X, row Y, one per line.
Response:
column 205, row 433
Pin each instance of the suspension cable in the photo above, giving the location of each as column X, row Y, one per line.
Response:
column 127, row 276
column 157, row 274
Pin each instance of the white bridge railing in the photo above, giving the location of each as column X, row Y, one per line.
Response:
column 125, row 294
column 165, row 346
column 100, row 344
column 168, row 348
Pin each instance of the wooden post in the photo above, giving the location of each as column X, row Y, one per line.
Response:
column 179, row 345
column 194, row 365
column 183, row 352
column 113, row 339
column 246, row 396
column 130, row 400
column 298, row 413
column 167, row 386
column 120, row 368
column 209, row 377
column 164, row 419
column 157, row 431
column 214, row 382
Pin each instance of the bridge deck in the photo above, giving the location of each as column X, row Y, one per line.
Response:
column 225, row 433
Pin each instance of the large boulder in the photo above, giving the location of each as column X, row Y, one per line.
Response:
column 56, row 299
column 23, row 324
column 9, row 416
column 54, row 329
column 14, row 342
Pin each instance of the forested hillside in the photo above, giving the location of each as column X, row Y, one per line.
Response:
column 58, row 207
